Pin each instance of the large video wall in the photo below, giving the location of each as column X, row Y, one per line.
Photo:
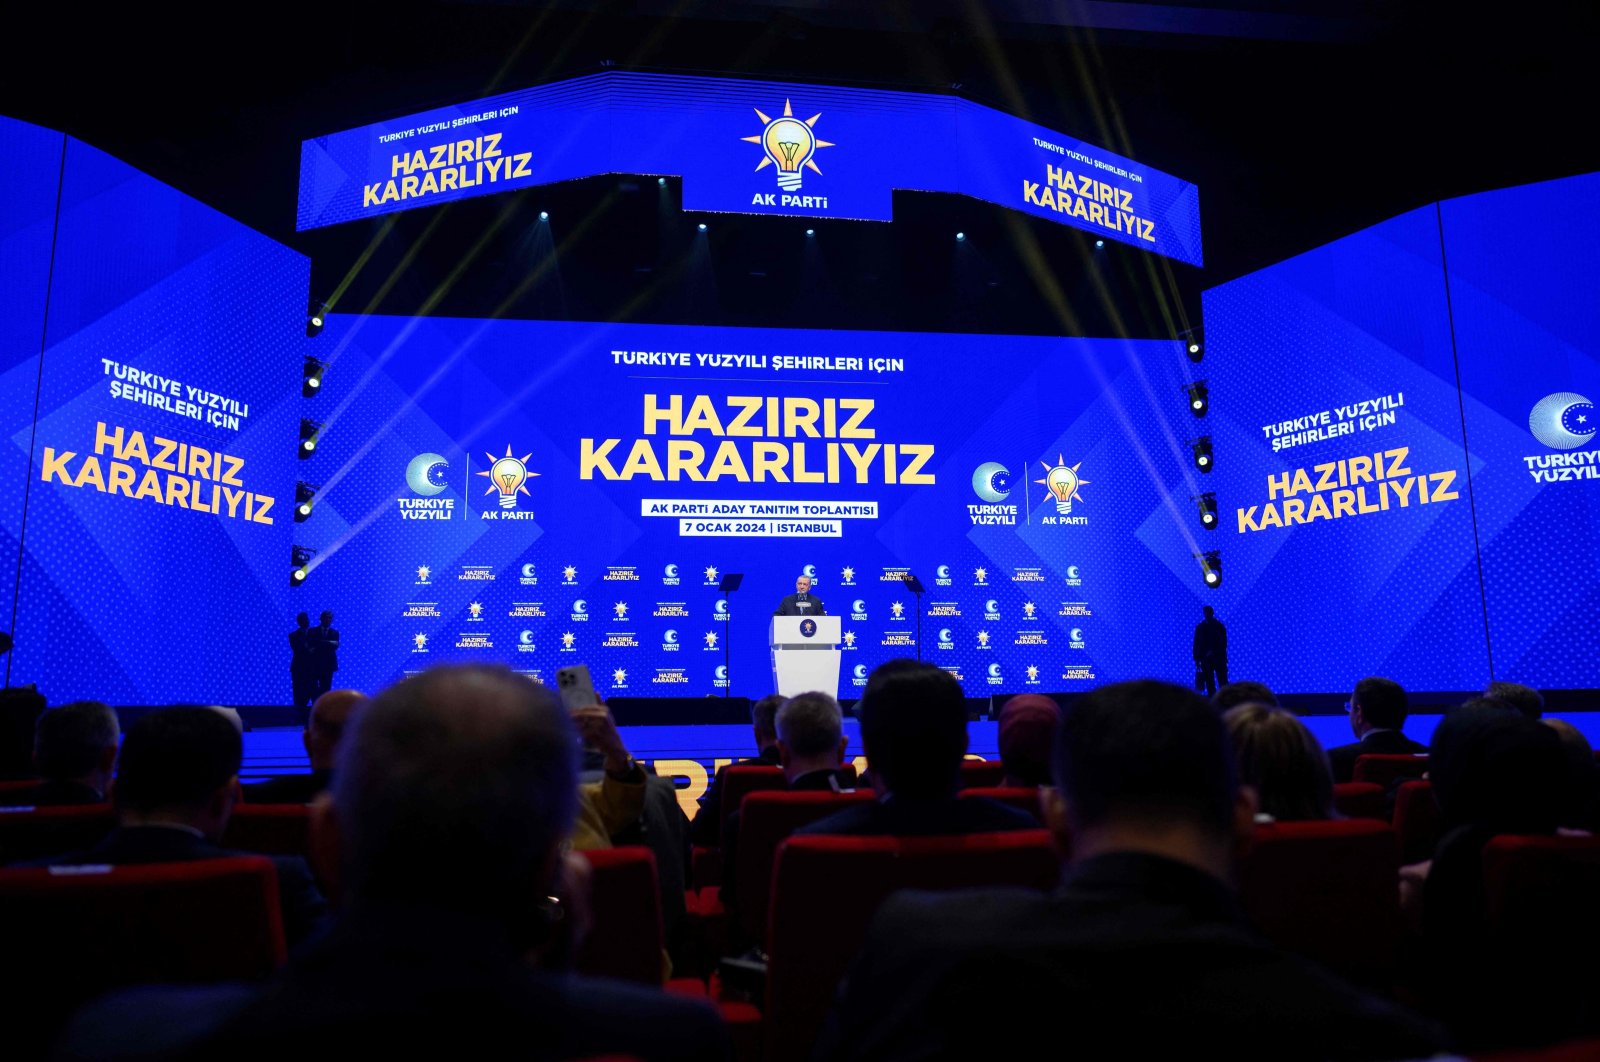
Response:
column 1405, row 470
column 553, row 493
column 150, row 399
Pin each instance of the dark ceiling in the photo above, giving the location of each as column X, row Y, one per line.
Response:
column 1299, row 125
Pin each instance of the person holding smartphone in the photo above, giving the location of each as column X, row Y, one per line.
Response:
column 615, row 802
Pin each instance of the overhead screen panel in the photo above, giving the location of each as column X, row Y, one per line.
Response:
column 155, row 562
column 645, row 461
column 747, row 147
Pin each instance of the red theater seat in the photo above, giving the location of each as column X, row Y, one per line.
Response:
column 16, row 785
column 271, row 829
column 1328, row 891
column 1359, row 800
column 826, row 890
column 1526, row 876
column 768, row 820
column 1387, row 770
column 740, row 782
column 32, row 833
column 1417, row 820
column 82, row 931
column 982, row 774
column 1025, row 798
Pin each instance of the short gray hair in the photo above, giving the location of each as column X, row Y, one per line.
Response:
column 452, row 789
column 810, row 724
column 69, row 741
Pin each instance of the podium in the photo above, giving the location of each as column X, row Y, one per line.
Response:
column 805, row 654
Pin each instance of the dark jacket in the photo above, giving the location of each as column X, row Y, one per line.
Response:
column 51, row 795
column 403, row 983
column 790, row 606
column 1210, row 642
column 1135, row 956
column 1342, row 758
column 302, row 651
column 325, row 650
column 304, row 909
column 896, row 816
column 289, row 788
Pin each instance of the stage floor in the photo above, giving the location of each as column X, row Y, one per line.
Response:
column 690, row 753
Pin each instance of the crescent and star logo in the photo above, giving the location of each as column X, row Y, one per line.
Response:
column 425, row 474
column 1563, row 421
column 991, row 481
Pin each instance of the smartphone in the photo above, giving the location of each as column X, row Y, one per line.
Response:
column 577, row 688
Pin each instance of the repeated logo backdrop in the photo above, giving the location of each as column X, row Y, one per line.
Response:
column 160, row 410
column 546, row 493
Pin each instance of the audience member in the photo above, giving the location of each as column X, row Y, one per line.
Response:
column 325, row 726
column 1141, row 953
column 1494, row 772
column 1028, row 725
column 1236, row 693
column 1525, row 699
column 20, row 708
column 1581, row 804
column 706, row 829
column 811, row 746
column 616, row 801
column 74, row 751
column 454, row 793
column 1377, row 713
column 914, row 731
column 177, row 774
column 1282, row 761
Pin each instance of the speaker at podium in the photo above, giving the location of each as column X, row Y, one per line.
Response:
column 805, row 654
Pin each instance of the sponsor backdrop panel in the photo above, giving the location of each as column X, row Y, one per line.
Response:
column 1526, row 319
column 747, row 147
column 30, row 176
column 1347, row 538
column 552, row 493
column 155, row 566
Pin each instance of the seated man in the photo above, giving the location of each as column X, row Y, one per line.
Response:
column 1525, row 699
column 914, row 730
column 74, row 751
column 811, row 744
column 1027, row 730
column 176, row 777
column 1377, row 713
column 707, row 826
column 454, row 794
column 325, row 726
column 1141, row 953
column 1237, row 693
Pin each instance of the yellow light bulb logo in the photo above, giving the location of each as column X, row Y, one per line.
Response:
column 789, row 144
column 508, row 476
column 1062, row 481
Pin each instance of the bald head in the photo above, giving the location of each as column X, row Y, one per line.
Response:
column 325, row 728
column 454, row 789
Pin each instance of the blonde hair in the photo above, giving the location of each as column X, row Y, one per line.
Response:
column 1282, row 761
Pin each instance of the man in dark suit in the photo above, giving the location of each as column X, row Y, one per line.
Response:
column 1211, row 651
column 74, row 749
column 1141, row 953
column 1377, row 713
column 802, row 602
column 706, row 829
column 325, row 728
column 302, row 662
column 914, row 731
column 324, row 654
column 454, row 793
column 811, row 747
column 176, row 777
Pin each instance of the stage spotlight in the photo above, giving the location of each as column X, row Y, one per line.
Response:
column 544, row 215
column 811, row 232
column 1199, row 397
column 311, row 386
column 314, row 319
column 1194, row 343
column 1211, row 567
column 305, row 496
column 299, row 564
column 702, row 226
column 961, row 237
column 1099, row 243
column 1202, row 453
column 309, row 430
column 1208, row 510
column 661, row 182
